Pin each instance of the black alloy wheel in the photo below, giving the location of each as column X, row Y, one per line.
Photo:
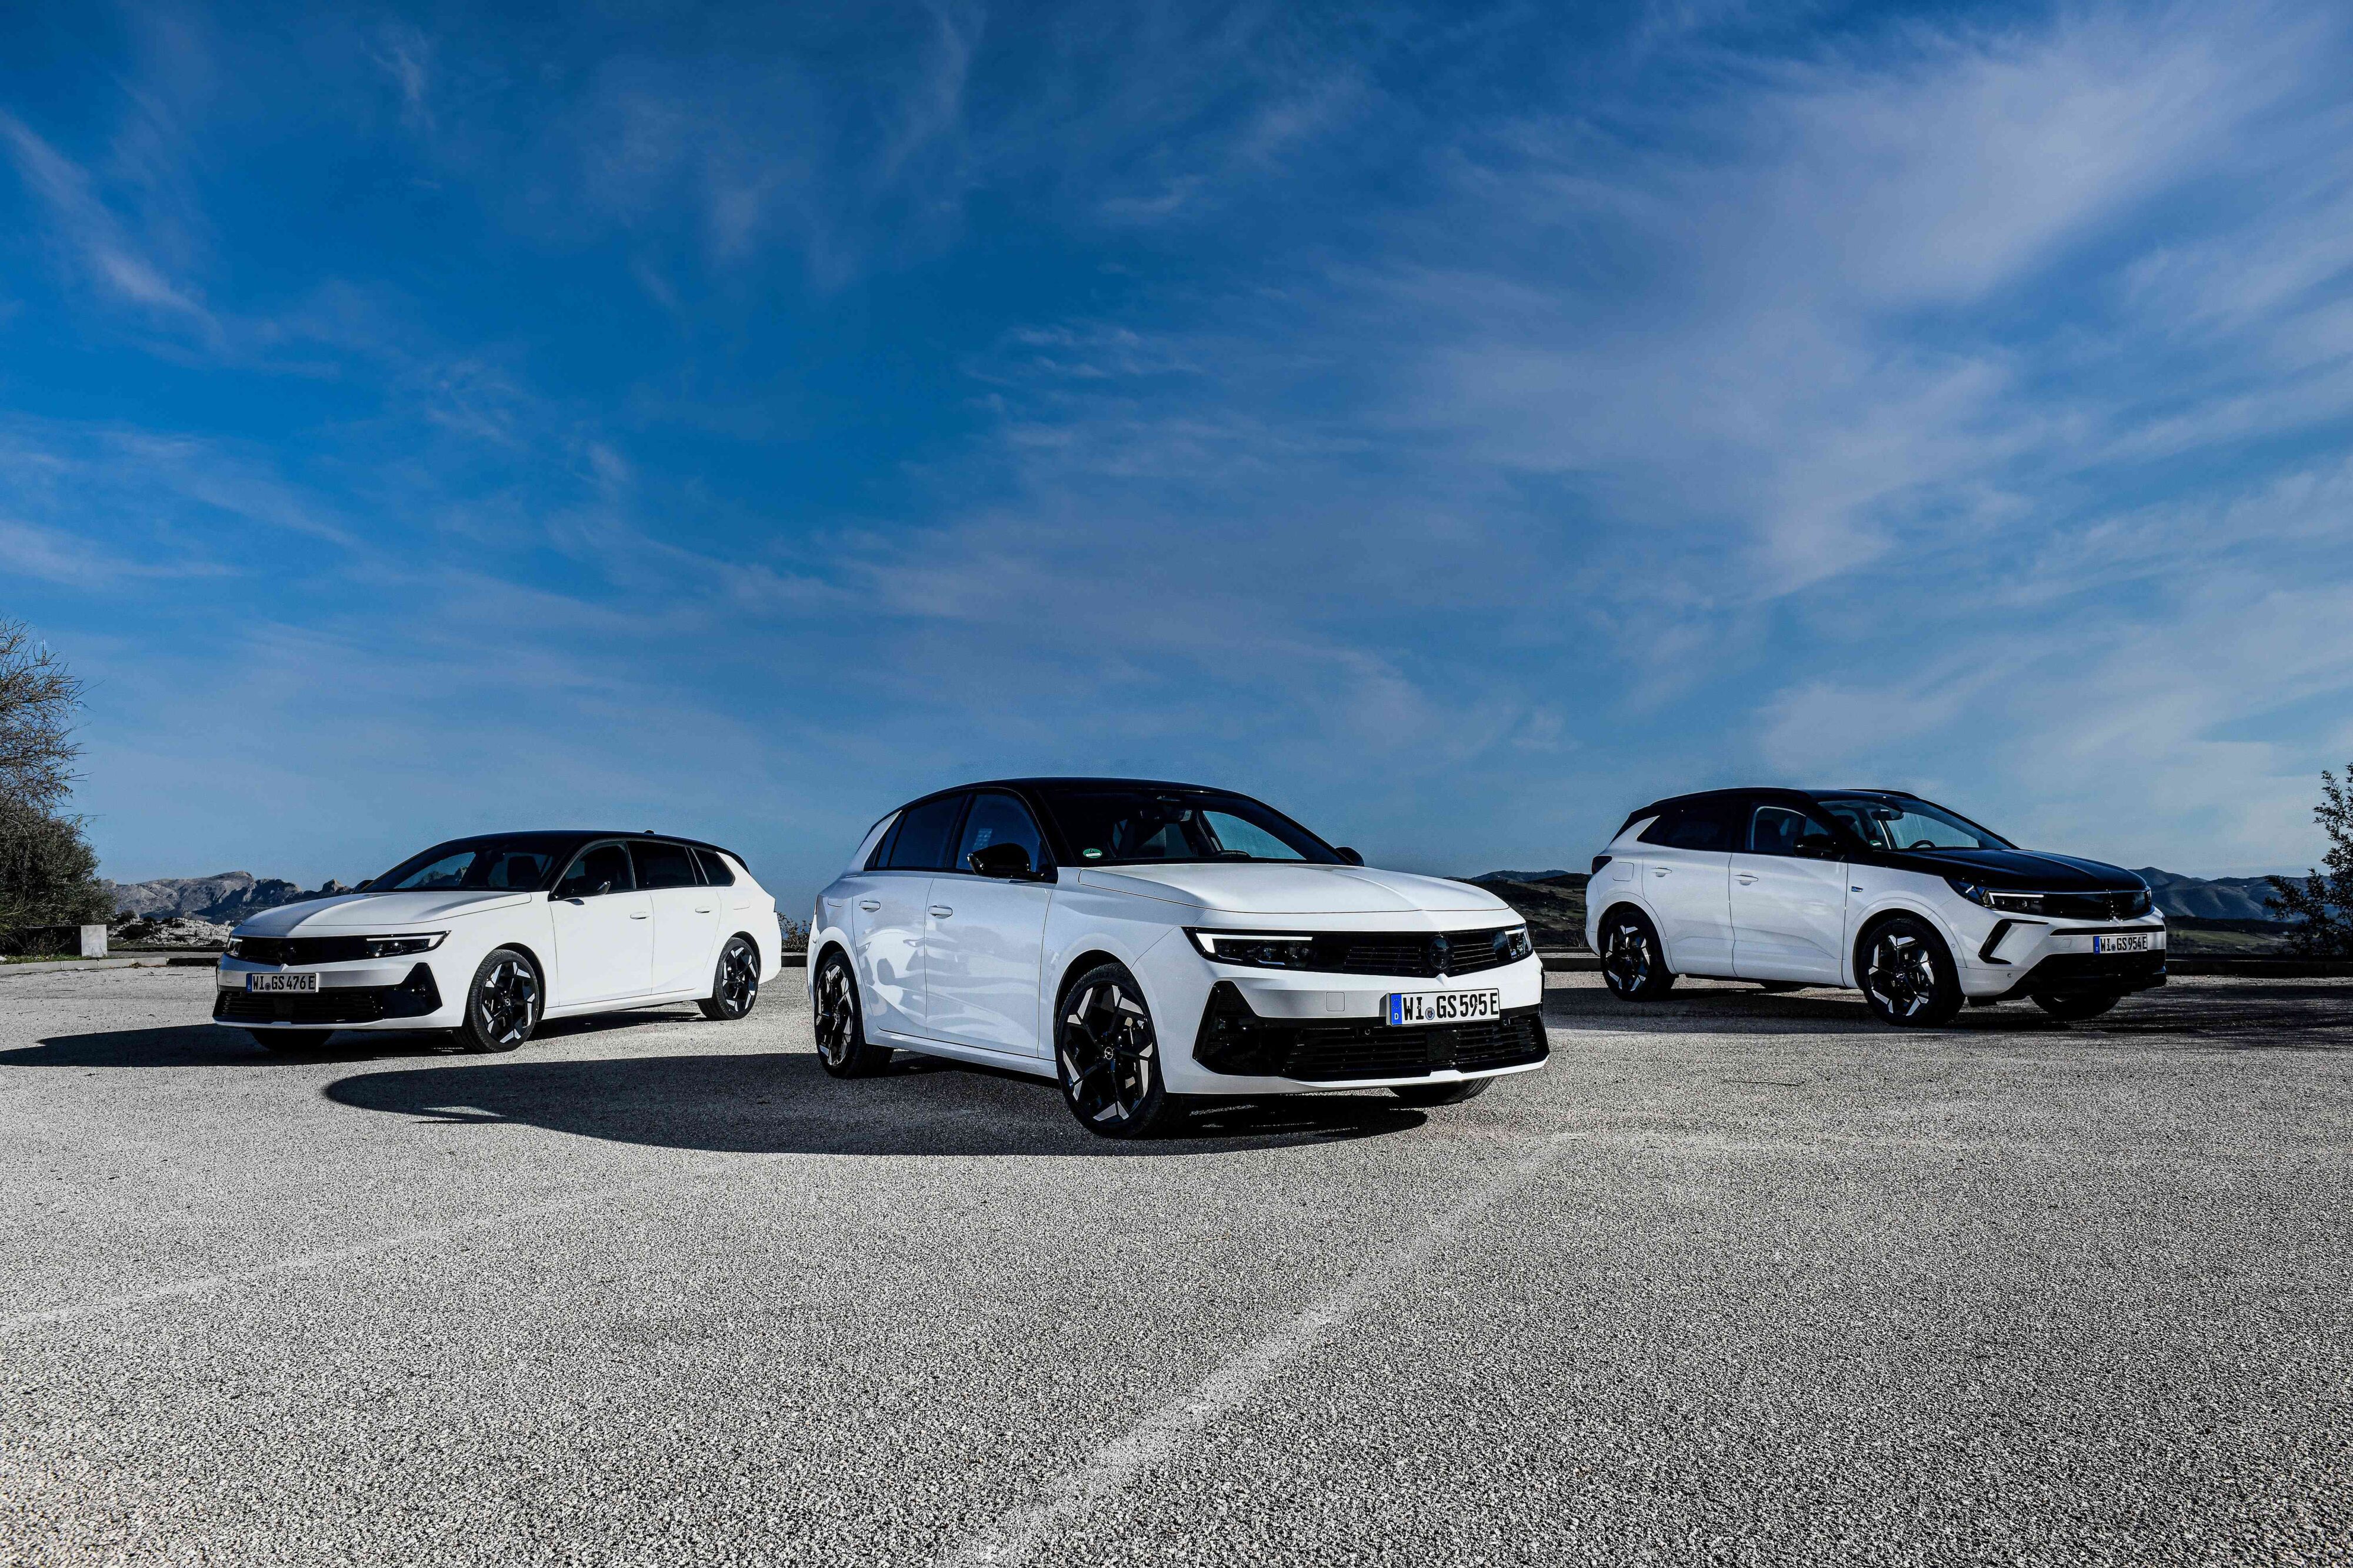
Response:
column 502, row 1005
column 735, row 985
column 1634, row 965
column 1425, row 1094
column 1908, row 976
column 291, row 1042
column 1109, row 1056
column 2078, row 1006
column 839, row 1023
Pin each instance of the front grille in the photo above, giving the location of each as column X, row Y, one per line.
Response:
column 412, row 998
column 301, row 949
column 2097, row 906
column 1234, row 1039
column 1416, row 954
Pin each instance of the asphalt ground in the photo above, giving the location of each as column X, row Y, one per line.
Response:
column 1738, row 1278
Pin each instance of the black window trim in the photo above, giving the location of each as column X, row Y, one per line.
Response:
column 694, row 861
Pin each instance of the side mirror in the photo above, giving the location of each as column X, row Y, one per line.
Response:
column 1007, row 860
column 1348, row 855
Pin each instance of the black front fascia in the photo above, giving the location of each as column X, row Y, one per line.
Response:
column 2078, row 973
column 327, row 1007
column 1237, row 1041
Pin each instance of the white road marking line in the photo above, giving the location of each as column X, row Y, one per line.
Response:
column 1018, row 1533
column 305, row 1262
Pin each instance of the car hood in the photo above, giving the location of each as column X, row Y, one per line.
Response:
column 1260, row 888
column 374, row 911
column 2028, row 870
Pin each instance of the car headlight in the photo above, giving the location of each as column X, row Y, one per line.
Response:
column 401, row 946
column 1517, row 944
column 2009, row 903
column 1256, row 949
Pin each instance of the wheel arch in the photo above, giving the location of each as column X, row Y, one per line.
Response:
column 1880, row 916
column 1079, row 966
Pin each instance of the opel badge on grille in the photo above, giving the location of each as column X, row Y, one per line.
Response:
column 1439, row 952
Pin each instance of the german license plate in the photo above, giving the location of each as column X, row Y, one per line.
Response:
column 301, row 984
column 1408, row 1009
column 2124, row 941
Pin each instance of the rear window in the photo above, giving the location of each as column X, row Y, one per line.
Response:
column 1708, row 825
column 663, row 865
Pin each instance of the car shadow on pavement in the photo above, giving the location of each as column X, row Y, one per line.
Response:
column 206, row 1045
column 777, row 1104
column 219, row 1045
column 2239, row 1017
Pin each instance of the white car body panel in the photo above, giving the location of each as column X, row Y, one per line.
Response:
column 594, row 954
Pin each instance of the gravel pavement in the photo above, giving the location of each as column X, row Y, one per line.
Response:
column 1738, row 1278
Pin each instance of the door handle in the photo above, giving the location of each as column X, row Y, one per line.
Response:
column 702, row 909
column 869, row 905
column 1747, row 876
column 640, row 915
column 942, row 910
column 1661, row 871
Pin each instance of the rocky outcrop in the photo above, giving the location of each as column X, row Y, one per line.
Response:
column 223, row 899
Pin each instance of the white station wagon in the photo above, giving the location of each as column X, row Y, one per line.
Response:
column 485, row 937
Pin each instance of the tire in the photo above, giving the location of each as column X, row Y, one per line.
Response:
column 503, row 1003
column 290, row 1042
column 840, row 1023
column 735, row 983
column 1109, row 1056
column 2078, row 1006
column 1441, row 1093
column 1908, row 975
column 1633, row 962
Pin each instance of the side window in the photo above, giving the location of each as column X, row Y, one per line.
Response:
column 999, row 819
column 662, row 864
column 1705, row 824
column 1779, row 829
column 599, row 869
column 921, row 843
column 715, row 870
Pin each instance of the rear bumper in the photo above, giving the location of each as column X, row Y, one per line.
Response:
column 415, row 998
column 1236, row 1042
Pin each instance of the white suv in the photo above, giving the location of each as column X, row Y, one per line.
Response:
column 1140, row 943
column 1919, row 907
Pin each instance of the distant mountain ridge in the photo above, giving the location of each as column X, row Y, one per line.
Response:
column 224, row 899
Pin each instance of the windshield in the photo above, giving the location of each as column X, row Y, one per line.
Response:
column 519, row 863
column 1908, row 824
column 1106, row 824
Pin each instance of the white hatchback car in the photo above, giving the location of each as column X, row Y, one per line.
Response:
column 1916, row 906
column 486, row 937
column 1140, row 943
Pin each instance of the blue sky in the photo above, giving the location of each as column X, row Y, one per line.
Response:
column 1453, row 424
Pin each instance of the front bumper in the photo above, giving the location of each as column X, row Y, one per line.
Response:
column 2009, row 957
column 1235, row 1041
column 352, row 998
